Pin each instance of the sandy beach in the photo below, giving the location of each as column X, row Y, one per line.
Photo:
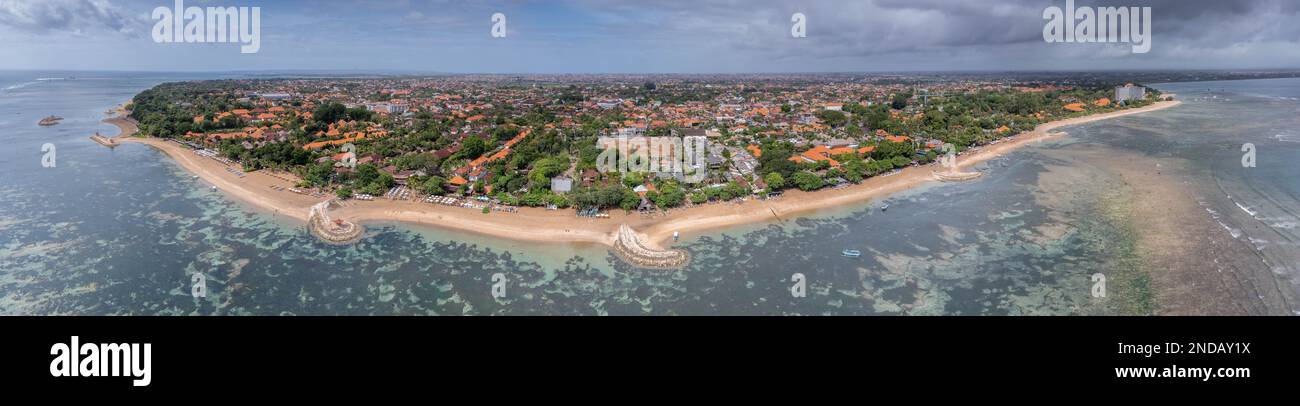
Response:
column 126, row 126
column 541, row 225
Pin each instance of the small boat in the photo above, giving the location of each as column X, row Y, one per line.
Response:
column 675, row 236
column 885, row 207
column 851, row 253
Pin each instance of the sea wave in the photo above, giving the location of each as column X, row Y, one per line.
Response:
column 1286, row 225
column 1235, row 233
column 18, row 86
column 1287, row 137
column 1266, row 96
column 1245, row 209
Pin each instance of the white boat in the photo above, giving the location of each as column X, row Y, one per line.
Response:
column 851, row 253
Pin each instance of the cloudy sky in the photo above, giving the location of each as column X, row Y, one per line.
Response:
column 646, row 36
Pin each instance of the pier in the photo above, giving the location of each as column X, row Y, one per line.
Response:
column 105, row 141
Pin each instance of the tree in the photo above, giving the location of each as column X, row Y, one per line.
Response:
column 320, row 174
column 832, row 118
column 329, row 113
column 900, row 101
column 889, row 150
column 670, row 194
column 473, row 147
column 854, row 131
column 557, row 200
column 776, row 159
column 808, row 181
column 775, row 181
column 877, row 116
column 504, row 133
column 344, row 192
column 699, row 198
column 544, row 169
column 854, row 170
column 433, row 186
column 734, row 190
column 630, row 200
column 633, row 179
column 360, row 114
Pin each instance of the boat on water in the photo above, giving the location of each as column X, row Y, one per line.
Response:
column 851, row 253
column 49, row 121
column 885, row 207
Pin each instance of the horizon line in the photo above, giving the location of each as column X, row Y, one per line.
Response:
column 436, row 73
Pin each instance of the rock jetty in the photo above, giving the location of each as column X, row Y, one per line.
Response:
column 954, row 176
column 334, row 231
column 629, row 246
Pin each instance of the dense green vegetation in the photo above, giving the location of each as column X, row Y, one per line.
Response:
column 410, row 143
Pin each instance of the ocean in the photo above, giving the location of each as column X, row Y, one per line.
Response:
column 124, row 231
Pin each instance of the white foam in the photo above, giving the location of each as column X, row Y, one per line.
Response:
column 1244, row 208
column 20, row 86
column 1235, row 233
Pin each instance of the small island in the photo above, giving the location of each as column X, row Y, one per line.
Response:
column 50, row 121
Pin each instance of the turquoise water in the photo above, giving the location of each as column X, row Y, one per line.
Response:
column 122, row 231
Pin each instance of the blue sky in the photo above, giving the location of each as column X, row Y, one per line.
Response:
column 667, row 36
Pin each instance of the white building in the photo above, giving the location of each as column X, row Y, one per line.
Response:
column 390, row 108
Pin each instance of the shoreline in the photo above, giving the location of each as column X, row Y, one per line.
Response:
column 126, row 126
column 542, row 225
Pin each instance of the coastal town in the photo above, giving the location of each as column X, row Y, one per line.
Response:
column 498, row 144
